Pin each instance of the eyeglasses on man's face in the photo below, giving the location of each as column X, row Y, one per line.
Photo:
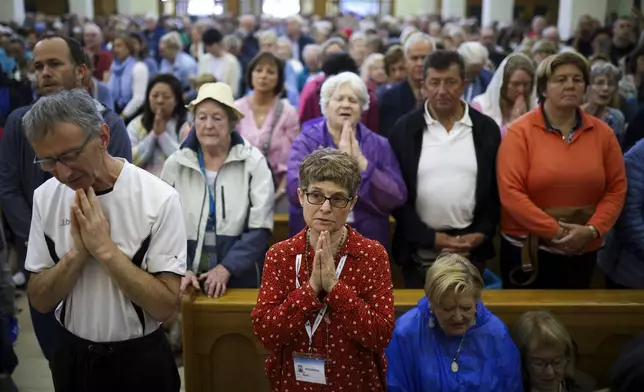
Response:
column 69, row 159
column 318, row 198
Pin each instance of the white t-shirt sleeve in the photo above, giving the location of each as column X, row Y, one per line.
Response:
column 167, row 251
column 38, row 258
column 140, row 77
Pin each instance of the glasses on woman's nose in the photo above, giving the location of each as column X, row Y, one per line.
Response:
column 541, row 364
column 337, row 201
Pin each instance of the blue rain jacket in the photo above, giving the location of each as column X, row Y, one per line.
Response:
column 420, row 357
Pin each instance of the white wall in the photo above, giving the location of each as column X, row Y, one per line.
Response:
column 82, row 8
column 454, row 9
column 501, row 11
column 12, row 10
column 415, row 7
column 138, row 7
column 571, row 10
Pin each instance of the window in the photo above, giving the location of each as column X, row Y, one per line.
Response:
column 360, row 7
column 205, row 7
column 281, row 8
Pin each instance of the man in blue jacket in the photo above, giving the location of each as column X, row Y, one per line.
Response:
column 60, row 64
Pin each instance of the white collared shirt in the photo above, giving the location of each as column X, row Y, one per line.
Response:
column 447, row 172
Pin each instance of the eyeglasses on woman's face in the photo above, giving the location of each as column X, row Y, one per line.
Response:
column 557, row 363
column 318, row 198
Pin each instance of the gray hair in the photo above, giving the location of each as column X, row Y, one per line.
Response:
column 605, row 69
column 232, row 40
column 233, row 121
column 368, row 63
column 267, row 35
column 334, row 41
column 68, row 106
column 172, row 39
column 312, row 50
column 357, row 36
column 296, row 18
column 418, row 37
column 473, row 53
column 335, row 82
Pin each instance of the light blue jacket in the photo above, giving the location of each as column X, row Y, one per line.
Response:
column 183, row 68
column 420, row 357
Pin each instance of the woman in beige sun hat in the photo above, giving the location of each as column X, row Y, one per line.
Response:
column 227, row 192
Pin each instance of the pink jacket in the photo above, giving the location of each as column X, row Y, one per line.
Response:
column 286, row 130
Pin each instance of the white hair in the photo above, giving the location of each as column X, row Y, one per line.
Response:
column 267, row 36
column 416, row 38
column 548, row 30
column 358, row 35
column 334, row 41
column 172, row 39
column 368, row 63
column 335, row 82
column 248, row 17
column 296, row 18
column 151, row 16
column 93, row 27
column 473, row 53
column 312, row 50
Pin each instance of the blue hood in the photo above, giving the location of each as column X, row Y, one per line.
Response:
column 420, row 357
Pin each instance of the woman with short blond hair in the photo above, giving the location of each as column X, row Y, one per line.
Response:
column 450, row 341
column 373, row 72
column 547, row 353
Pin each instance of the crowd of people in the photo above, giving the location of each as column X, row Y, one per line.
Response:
column 141, row 158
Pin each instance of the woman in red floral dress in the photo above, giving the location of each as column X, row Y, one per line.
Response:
column 325, row 308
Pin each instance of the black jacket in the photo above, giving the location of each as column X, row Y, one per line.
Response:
column 395, row 103
column 411, row 233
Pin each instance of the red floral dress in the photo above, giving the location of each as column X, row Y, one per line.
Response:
column 360, row 316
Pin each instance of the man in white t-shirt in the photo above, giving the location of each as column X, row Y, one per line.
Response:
column 218, row 62
column 105, row 250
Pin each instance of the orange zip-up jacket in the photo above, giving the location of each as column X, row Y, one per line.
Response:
column 537, row 169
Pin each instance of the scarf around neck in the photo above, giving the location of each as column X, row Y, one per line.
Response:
column 121, row 80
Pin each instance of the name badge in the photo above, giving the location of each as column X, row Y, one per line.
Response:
column 210, row 239
column 309, row 368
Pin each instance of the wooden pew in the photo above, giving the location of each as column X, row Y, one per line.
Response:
column 222, row 354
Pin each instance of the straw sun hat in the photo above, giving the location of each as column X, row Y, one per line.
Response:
column 219, row 92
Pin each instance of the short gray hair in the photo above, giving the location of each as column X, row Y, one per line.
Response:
column 334, row 82
column 334, row 41
column 312, row 50
column 418, row 37
column 267, row 35
column 232, row 40
column 172, row 39
column 68, row 106
column 473, row 53
column 605, row 69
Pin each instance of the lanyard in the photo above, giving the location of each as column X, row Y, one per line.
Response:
column 310, row 331
column 210, row 226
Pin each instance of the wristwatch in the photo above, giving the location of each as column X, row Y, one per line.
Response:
column 594, row 231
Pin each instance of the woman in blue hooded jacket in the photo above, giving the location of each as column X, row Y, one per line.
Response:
column 450, row 341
